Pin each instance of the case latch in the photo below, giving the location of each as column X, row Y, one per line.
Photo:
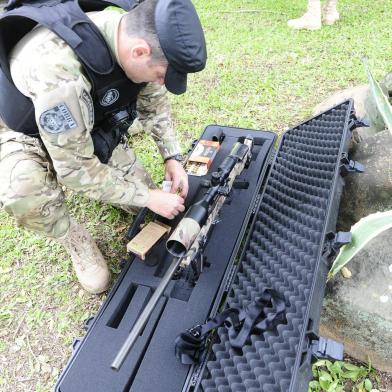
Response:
column 335, row 241
column 356, row 123
column 348, row 166
column 324, row 348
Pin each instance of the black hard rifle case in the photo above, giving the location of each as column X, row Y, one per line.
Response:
column 277, row 230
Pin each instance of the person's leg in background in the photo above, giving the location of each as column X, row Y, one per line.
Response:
column 330, row 12
column 311, row 20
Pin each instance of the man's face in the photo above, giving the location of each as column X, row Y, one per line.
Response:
column 142, row 69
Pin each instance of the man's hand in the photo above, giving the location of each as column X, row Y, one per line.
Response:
column 165, row 204
column 175, row 172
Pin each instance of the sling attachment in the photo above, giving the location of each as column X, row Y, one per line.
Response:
column 262, row 314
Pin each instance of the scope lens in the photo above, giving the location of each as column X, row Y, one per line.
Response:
column 176, row 248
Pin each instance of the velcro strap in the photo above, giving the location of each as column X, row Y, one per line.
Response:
column 68, row 35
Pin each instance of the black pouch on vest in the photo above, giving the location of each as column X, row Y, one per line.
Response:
column 109, row 136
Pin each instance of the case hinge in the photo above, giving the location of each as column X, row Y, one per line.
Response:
column 348, row 166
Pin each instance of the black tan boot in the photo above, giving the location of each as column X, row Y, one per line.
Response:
column 90, row 266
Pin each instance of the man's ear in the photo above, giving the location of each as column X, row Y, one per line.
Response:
column 141, row 49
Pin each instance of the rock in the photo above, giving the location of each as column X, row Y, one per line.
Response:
column 346, row 273
column 386, row 85
column 371, row 191
column 365, row 108
column 55, row 372
column 358, row 311
column 46, row 369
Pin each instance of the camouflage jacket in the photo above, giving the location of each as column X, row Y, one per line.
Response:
column 45, row 68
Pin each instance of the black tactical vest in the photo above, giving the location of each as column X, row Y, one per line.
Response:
column 114, row 95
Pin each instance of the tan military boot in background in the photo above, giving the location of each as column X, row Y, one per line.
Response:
column 311, row 20
column 330, row 12
column 88, row 262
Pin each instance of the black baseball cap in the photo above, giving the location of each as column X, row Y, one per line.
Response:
column 182, row 41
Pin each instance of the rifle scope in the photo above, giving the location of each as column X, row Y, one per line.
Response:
column 196, row 216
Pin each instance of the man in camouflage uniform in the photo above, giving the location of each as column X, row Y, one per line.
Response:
column 32, row 171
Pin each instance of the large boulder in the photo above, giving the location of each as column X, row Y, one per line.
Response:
column 358, row 311
column 364, row 105
column 370, row 191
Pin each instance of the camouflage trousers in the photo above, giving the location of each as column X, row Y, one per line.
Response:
column 29, row 189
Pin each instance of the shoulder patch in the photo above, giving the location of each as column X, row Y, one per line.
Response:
column 110, row 97
column 57, row 119
column 86, row 99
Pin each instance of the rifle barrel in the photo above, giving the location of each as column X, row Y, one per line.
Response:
column 145, row 315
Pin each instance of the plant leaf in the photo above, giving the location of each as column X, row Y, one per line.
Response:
column 381, row 101
column 314, row 386
column 351, row 366
column 325, row 376
column 353, row 375
column 320, row 362
column 336, row 369
column 325, row 379
column 333, row 386
column 324, row 383
column 368, row 385
column 362, row 232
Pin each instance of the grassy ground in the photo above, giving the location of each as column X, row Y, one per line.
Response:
column 260, row 74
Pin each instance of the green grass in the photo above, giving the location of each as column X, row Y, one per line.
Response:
column 261, row 75
column 338, row 376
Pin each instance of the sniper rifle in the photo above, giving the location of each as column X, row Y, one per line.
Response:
column 191, row 234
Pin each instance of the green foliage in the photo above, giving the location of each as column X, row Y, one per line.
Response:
column 362, row 232
column 333, row 376
column 381, row 101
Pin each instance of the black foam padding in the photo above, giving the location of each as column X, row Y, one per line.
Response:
column 284, row 251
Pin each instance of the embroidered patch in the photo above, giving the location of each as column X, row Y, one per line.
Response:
column 57, row 119
column 85, row 97
column 110, row 97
